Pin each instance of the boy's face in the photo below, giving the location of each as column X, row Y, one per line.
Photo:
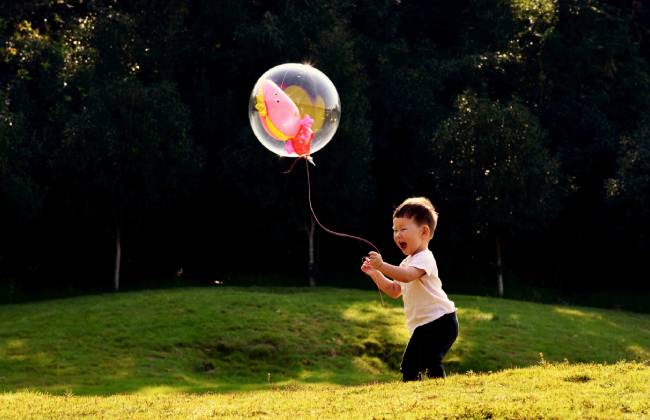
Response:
column 408, row 236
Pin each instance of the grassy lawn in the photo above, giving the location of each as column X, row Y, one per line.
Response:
column 546, row 391
column 318, row 352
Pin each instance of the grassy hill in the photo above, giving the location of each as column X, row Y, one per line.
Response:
column 239, row 339
column 312, row 353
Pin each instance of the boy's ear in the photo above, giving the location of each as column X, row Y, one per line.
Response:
column 427, row 230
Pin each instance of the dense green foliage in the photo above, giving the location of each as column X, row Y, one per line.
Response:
column 225, row 339
column 124, row 122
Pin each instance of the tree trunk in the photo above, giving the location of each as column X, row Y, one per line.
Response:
column 499, row 268
column 118, row 259
column 312, row 259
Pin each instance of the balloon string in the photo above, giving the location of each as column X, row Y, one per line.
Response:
column 344, row 235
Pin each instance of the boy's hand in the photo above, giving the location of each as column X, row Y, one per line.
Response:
column 374, row 260
column 366, row 267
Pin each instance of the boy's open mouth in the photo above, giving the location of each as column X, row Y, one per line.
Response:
column 402, row 245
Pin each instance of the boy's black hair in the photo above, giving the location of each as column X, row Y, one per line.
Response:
column 420, row 210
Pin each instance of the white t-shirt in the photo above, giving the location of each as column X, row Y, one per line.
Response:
column 424, row 299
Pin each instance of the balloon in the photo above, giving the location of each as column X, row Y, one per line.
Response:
column 294, row 110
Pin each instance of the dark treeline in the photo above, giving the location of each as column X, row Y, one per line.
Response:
column 125, row 144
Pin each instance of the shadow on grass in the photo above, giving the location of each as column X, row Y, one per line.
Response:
column 223, row 340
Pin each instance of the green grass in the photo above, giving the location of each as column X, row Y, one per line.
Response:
column 265, row 350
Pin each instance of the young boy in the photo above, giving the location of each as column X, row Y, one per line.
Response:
column 430, row 315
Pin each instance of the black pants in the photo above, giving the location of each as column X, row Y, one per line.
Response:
column 427, row 346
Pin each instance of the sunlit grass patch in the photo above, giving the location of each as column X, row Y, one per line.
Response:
column 547, row 390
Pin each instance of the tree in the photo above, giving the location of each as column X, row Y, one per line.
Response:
column 491, row 160
column 634, row 168
column 127, row 153
column 631, row 187
column 31, row 95
column 21, row 201
column 592, row 87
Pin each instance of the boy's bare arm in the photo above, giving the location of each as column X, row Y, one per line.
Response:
column 403, row 274
column 386, row 285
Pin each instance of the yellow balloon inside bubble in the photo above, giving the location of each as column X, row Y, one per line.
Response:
column 307, row 106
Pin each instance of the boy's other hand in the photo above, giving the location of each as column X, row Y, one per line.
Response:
column 375, row 260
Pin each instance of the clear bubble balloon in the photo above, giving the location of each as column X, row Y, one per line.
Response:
column 294, row 110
